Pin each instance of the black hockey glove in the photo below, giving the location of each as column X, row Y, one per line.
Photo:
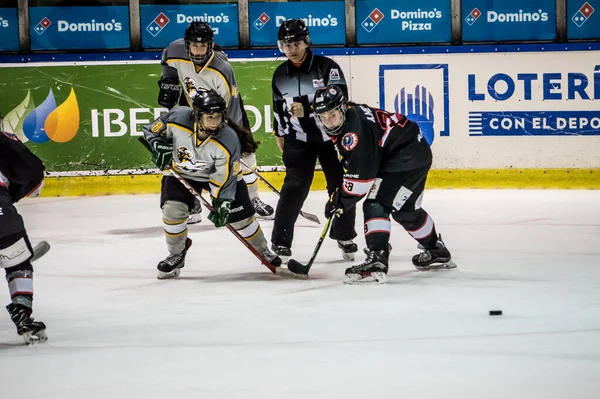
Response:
column 220, row 215
column 162, row 153
column 334, row 206
column 169, row 93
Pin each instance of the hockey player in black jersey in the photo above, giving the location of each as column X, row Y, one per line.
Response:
column 386, row 159
column 21, row 175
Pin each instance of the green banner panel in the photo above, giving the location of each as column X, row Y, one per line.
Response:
column 88, row 117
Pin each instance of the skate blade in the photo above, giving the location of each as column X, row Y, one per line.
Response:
column 439, row 266
column 194, row 220
column 265, row 217
column 280, row 271
column 348, row 256
column 32, row 338
column 376, row 278
column 165, row 276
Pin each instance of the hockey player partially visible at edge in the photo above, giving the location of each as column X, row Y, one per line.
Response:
column 205, row 149
column 21, row 175
column 194, row 63
column 386, row 159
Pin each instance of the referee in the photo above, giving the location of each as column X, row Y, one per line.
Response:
column 300, row 140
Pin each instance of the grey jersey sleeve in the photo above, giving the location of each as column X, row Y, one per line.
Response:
column 157, row 130
column 224, row 178
column 168, row 72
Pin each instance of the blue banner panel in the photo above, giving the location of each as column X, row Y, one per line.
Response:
column 9, row 29
column 534, row 123
column 494, row 20
column 583, row 19
column 79, row 28
column 403, row 21
column 326, row 21
column 161, row 24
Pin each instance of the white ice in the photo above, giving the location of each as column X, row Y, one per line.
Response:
column 227, row 328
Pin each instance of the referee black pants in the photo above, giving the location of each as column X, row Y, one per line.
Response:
column 300, row 159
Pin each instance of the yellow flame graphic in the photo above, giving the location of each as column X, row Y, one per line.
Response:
column 62, row 123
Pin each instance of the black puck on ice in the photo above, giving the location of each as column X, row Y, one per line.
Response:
column 495, row 313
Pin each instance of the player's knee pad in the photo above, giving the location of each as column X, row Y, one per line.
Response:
column 250, row 230
column 175, row 216
column 410, row 220
column 377, row 218
column 15, row 250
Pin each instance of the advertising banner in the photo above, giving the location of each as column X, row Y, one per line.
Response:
column 326, row 21
column 88, row 117
column 496, row 109
column 583, row 19
column 9, row 29
column 495, row 20
column 491, row 110
column 403, row 21
column 161, row 24
column 79, row 28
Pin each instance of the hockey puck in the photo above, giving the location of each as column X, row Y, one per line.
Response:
column 495, row 313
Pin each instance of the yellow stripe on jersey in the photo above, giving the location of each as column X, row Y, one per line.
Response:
column 227, row 167
column 174, row 60
column 184, row 128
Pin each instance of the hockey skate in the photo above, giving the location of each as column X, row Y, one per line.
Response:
column 282, row 251
column 32, row 331
column 195, row 216
column 272, row 258
column 349, row 248
column 435, row 258
column 372, row 271
column 171, row 266
column 262, row 210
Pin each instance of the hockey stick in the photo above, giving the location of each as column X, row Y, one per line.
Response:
column 297, row 267
column 275, row 270
column 40, row 249
column 305, row 215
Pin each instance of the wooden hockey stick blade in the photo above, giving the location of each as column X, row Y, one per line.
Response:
column 283, row 272
column 40, row 249
column 305, row 215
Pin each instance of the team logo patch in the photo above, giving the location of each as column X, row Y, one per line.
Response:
column 183, row 154
column 334, row 74
column 318, row 83
column 349, row 141
column 332, row 91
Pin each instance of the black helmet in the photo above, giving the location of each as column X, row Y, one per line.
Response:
column 209, row 102
column 199, row 32
column 292, row 30
column 328, row 99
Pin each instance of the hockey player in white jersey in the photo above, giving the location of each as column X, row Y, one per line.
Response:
column 194, row 63
column 204, row 149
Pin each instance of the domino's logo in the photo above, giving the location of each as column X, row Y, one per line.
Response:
column 583, row 14
column 158, row 24
column 473, row 16
column 42, row 26
column 372, row 20
column 261, row 21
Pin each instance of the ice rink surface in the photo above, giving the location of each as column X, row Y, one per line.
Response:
column 227, row 328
